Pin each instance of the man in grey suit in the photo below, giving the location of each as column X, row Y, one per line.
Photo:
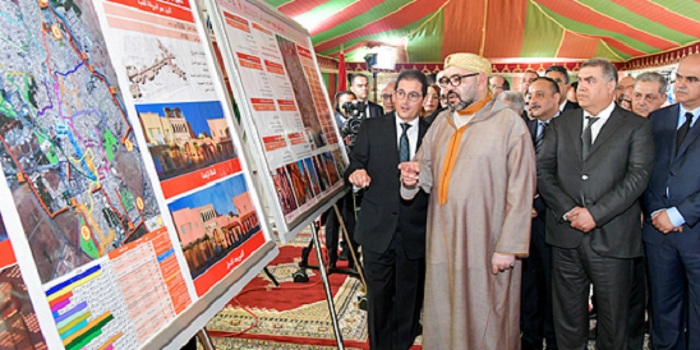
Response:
column 594, row 165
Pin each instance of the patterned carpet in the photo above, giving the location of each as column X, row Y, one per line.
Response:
column 294, row 315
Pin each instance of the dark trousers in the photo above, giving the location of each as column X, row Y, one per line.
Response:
column 536, row 292
column 638, row 303
column 573, row 270
column 347, row 211
column 394, row 296
column 674, row 286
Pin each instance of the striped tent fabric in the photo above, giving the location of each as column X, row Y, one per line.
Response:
column 428, row 30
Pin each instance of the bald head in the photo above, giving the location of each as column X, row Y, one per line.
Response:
column 387, row 96
column 687, row 87
column 623, row 84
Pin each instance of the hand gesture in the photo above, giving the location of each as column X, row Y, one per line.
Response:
column 410, row 171
column 360, row 178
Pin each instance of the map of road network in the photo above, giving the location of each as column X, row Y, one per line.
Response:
column 66, row 146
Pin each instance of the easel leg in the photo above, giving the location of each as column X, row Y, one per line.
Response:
column 271, row 276
column 205, row 340
column 343, row 228
column 327, row 287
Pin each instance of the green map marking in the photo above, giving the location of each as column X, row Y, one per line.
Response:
column 111, row 144
column 51, row 154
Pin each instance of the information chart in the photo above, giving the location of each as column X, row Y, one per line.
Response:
column 161, row 56
column 88, row 309
column 289, row 113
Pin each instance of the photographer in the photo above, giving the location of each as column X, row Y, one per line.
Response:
column 347, row 115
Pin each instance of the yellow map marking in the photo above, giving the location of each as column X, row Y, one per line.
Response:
column 110, row 237
column 139, row 203
column 93, row 224
column 85, row 232
column 129, row 146
column 56, row 31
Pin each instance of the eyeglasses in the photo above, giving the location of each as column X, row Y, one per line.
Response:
column 494, row 87
column 455, row 80
column 386, row 96
column 413, row 96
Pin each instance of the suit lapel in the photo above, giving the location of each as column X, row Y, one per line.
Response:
column 573, row 130
column 689, row 138
column 669, row 125
column 422, row 129
column 615, row 121
column 391, row 145
column 532, row 127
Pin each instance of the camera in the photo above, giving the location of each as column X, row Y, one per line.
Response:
column 355, row 112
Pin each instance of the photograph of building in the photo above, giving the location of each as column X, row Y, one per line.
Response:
column 185, row 137
column 213, row 222
column 313, row 176
column 331, row 168
column 322, row 173
column 284, row 190
column 301, row 184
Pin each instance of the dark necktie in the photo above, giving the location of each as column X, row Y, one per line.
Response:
column 404, row 150
column 683, row 130
column 587, row 137
column 542, row 126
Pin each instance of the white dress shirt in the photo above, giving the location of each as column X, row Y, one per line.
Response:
column 412, row 134
column 604, row 115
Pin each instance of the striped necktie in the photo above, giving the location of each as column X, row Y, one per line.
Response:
column 541, row 127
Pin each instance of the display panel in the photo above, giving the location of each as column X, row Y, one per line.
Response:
column 284, row 107
column 112, row 119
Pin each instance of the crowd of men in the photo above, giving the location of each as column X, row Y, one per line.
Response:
column 494, row 214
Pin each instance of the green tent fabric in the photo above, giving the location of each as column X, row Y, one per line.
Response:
column 428, row 30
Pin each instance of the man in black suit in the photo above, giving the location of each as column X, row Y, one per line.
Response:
column 346, row 203
column 359, row 85
column 594, row 165
column 561, row 76
column 671, row 214
column 390, row 229
column 536, row 304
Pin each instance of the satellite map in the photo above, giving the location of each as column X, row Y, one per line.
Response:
column 66, row 145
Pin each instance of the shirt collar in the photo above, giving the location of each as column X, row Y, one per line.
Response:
column 562, row 105
column 683, row 111
column 550, row 119
column 604, row 115
column 399, row 121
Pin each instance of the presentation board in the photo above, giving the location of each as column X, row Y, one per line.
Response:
column 124, row 190
column 284, row 107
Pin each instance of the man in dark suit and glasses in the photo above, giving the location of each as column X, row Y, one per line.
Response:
column 671, row 214
column 593, row 167
column 391, row 230
column 536, row 321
